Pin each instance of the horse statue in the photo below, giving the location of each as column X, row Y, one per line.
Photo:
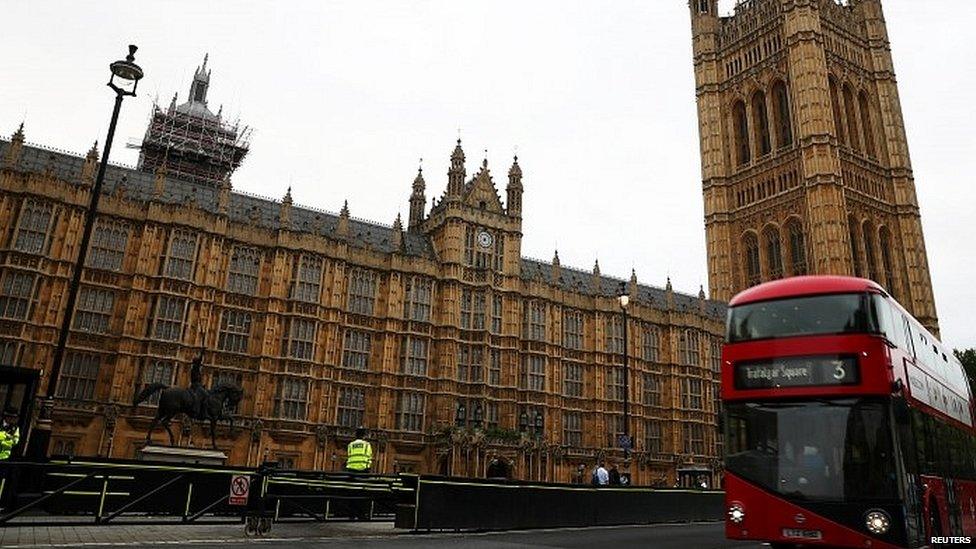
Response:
column 196, row 402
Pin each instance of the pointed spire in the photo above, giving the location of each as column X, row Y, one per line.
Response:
column 418, row 182
column 90, row 165
column 595, row 279
column 701, row 291
column 16, row 145
column 159, row 183
column 284, row 214
column 342, row 228
column 201, row 81
column 669, row 294
column 172, row 103
column 632, row 286
column 456, row 175
column 417, row 198
column 223, row 196
column 556, row 268
column 514, row 189
column 397, row 233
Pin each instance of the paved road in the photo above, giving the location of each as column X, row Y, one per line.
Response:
column 664, row 536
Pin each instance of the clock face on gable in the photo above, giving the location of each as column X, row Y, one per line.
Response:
column 485, row 240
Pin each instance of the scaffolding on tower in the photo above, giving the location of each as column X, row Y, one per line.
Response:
column 192, row 143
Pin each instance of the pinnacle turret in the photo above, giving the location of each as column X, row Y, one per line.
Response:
column 514, row 189
column 456, row 175
column 418, row 200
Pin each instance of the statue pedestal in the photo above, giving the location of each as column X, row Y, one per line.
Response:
column 175, row 454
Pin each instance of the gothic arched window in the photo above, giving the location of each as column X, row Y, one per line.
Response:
column 784, row 122
column 866, row 124
column 838, row 121
column 850, row 110
column 774, row 253
column 884, row 243
column 798, row 249
column 741, row 133
column 761, row 122
column 753, row 271
column 855, row 254
column 868, row 230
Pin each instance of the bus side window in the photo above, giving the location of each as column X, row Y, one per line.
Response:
column 909, row 344
column 885, row 322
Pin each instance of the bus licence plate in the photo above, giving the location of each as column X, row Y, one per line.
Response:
column 796, row 533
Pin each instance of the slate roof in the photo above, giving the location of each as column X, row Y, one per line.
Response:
column 577, row 280
column 265, row 212
column 244, row 208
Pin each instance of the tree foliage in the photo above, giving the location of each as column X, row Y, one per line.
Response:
column 968, row 359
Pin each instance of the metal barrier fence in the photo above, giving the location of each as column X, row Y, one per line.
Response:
column 460, row 504
column 104, row 490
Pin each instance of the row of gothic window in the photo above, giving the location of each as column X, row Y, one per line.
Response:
column 763, row 254
column 853, row 124
column 871, row 253
column 756, row 132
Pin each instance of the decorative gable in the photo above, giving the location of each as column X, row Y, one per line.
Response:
column 480, row 193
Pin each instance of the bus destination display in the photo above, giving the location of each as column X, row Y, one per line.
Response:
column 804, row 371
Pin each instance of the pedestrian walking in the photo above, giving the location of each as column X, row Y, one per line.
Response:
column 600, row 476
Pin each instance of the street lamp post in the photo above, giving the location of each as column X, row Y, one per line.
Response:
column 624, row 301
column 124, row 81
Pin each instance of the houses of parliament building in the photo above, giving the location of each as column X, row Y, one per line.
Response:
column 435, row 334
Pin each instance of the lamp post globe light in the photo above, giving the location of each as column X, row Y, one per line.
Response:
column 124, row 79
column 627, row 444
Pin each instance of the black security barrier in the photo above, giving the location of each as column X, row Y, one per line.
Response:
column 104, row 490
column 460, row 504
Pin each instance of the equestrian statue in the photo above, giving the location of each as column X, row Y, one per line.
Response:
column 196, row 402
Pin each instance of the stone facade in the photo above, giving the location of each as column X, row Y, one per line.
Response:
column 805, row 165
column 440, row 338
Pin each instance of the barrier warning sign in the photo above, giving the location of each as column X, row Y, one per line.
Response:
column 240, row 485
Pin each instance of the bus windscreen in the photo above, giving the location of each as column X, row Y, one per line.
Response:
column 801, row 316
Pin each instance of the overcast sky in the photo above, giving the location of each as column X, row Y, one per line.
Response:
column 597, row 98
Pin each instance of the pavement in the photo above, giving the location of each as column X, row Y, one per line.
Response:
column 362, row 534
column 122, row 534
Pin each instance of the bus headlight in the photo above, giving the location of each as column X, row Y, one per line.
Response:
column 877, row 521
column 737, row 513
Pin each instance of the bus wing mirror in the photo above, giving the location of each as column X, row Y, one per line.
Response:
column 900, row 409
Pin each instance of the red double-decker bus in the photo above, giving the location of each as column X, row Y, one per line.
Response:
column 846, row 422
